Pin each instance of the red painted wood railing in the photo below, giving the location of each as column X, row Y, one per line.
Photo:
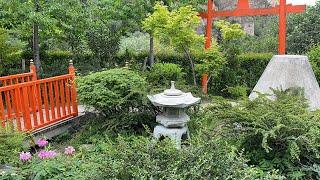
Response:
column 36, row 104
column 20, row 78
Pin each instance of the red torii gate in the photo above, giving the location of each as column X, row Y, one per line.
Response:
column 243, row 9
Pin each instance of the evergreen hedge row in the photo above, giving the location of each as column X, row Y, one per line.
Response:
column 250, row 67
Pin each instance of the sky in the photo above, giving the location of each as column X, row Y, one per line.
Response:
column 300, row 2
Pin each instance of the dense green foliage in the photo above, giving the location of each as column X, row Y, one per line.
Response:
column 136, row 43
column 10, row 50
column 230, row 41
column 10, row 145
column 82, row 27
column 163, row 73
column 303, row 30
column 102, row 154
column 176, row 28
column 247, row 73
column 250, row 67
column 314, row 58
column 281, row 134
column 112, row 91
column 142, row 158
column 212, row 63
column 265, row 39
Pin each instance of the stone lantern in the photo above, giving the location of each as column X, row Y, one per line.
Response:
column 173, row 120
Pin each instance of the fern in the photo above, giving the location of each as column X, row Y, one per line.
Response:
column 281, row 134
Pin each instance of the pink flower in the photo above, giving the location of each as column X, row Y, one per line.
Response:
column 69, row 150
column 43, row 154
column 52, row 154
column 42, row 142
column 25, row 156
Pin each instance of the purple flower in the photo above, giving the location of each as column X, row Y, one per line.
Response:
column 43, row 154
column 52, row 154
column 25, row 156
column 69, row 150
column 42, row 142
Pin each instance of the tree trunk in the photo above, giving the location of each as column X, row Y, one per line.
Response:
column 208, row 81
column 36, row 48
column 192, row 66
column 23, row 65
column 151, row 52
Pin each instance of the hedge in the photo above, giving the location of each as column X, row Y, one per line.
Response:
column 253, row 65
column 56, row 62
column 250, row 67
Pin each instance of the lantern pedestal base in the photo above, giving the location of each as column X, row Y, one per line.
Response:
column 175, row 134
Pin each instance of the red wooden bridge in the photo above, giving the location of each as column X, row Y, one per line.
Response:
column 28, row 104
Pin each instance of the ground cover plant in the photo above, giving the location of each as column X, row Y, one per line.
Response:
column 126, row 156
column 10, row 145
column 260, row 139
column 281, row 134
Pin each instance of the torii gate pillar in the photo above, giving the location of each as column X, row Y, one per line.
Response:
column 282, row 27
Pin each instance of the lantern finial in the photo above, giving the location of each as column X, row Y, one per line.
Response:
column 173, row 85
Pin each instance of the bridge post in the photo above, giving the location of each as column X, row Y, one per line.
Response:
column 73, row 89
column 33, row 70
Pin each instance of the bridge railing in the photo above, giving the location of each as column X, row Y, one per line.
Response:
column 19, row 78
column 36, row 104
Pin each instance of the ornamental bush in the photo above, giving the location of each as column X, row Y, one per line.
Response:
column 137, row 157
column 163, row 73
column 113, row 91
column 281, row 134
column 247, row 74
column 250, row 68
column 10, row 52
column 314, row 58
column 10, row 145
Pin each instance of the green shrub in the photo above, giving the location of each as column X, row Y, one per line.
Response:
column 10, row 51
column 136, row 42
column 143, row 158
column 302, row 28
column 55, row 63
column 112, row 91
column 212, row 63
column 247, row 72
column 237, row 92
column 163, row 73
column 97, row 128
column 10, row 145
column 250, row 68
column 314, row 58
column 281, row 134
column 253, row 65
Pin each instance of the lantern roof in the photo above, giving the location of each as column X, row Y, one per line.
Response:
column 173, row 98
